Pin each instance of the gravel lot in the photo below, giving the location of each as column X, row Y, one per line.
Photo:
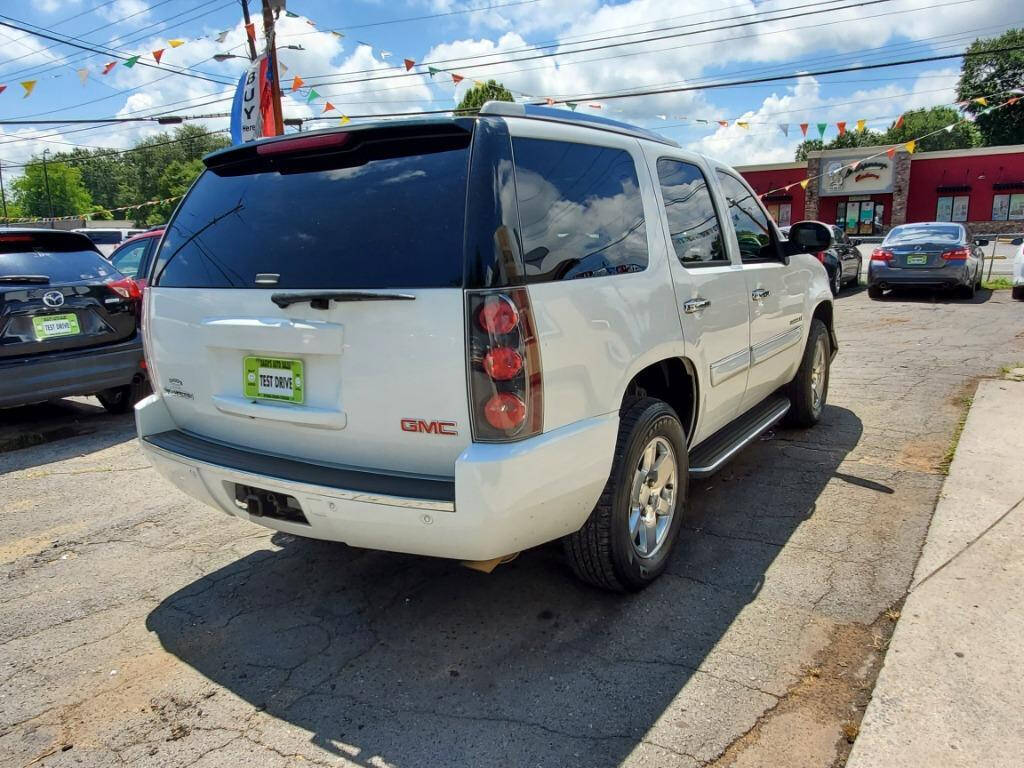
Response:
column 138, row 627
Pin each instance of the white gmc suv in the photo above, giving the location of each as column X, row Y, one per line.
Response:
column 464, row 337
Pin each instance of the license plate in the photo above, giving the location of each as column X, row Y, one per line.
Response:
column 917, row 258
column 271, row 378
column 49, row 326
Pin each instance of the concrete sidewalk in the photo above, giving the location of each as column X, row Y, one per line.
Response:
column 951, row 692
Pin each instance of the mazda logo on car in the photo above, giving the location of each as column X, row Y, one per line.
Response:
column 53, row 299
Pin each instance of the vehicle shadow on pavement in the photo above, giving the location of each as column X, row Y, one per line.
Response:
column 418, row 661
column 932, row 296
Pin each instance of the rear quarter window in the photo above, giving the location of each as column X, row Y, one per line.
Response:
column 580, row 210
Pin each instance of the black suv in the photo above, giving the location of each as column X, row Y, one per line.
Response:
column 69, row 322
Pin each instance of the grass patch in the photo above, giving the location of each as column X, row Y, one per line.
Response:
column 947, row 459
column 998, row 284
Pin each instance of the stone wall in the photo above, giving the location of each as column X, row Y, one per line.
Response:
column 900, row 188
column 811, row 193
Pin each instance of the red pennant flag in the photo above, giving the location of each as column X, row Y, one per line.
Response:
column 891, row 152
column 297, row 83
column 899, row 122
column 841, row 127
column 457, row 79
column 250, row 30
column 803, row 128
column 594, row 106
column 724, row 123
column 409, row 64
column 109, row 66
column 158, row 54
column 1014, row 100
column 549, row 101
column 328, row 107
column 3, row 88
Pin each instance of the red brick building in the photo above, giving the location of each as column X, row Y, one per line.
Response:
column 983, row 188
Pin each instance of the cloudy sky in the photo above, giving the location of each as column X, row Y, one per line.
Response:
column 563, row 49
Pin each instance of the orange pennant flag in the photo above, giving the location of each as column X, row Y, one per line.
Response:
column 457, row 78
column 158, row 54
column 841, row 127
column 328, row 107
column 803, row 184
column 898, row 123
column 803, row 128
column 409, row 64
column 297, row 83
column 891, row 152
column 724, row 123
column 549, row 101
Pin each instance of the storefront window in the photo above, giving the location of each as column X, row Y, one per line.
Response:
column 841, row 215
column 782, row 213
column 1000, row 207
column 944, row 209
column 1016, row 211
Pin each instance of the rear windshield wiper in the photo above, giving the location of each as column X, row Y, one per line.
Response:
column 37, row 279
column 323, row 299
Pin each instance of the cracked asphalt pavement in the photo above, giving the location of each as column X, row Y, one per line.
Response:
column 138, row 627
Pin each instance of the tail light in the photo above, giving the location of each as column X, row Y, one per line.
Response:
column 955, row 254
column 820, row 256
column 880, row 254
column 126, row 288
column 505, row 384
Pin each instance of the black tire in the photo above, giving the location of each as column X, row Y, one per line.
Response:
column 602, row 552
column 966, row 291
column 979, row 276
column 835, row 280
column 123, row 399
column 803, row 410
column 1018, row 292
column 874, row 292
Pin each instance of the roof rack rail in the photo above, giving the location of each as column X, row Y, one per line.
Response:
column 537, row 112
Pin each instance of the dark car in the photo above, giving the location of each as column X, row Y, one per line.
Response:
column 69, row 322
column 841, row 259
column 929, row 255
column 134, row 257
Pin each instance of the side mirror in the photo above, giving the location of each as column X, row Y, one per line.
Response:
column 807, row 237
column 980, row 241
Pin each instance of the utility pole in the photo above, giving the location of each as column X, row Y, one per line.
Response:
column 49, row 197
column 248, row 21
column 275, row 75
column 3, row 195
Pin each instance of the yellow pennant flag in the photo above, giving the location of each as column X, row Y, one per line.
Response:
column 175, row 43
column 745, row 126
column 861, row 125
column 344, row 119
column 910, row 145
column 981, row 100
column 28, row 85
column 803, row 184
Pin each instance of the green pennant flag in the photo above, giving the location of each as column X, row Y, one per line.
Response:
column 131, row 62
column 312, row 95
column 433, row 71
column 291, row 15
column 821, row 130
column 571, row 105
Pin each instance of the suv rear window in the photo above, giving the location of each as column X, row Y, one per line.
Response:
column 387, row 214
column 58, row 258
column 581, row 210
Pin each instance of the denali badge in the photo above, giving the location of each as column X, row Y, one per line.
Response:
column 429, row 427
column 53, row 299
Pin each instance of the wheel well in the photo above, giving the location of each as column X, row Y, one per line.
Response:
column 824, row 312
column 673, row 381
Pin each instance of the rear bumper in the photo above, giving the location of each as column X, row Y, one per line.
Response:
column 949, row 276
column 501, row 498
column 74, row 372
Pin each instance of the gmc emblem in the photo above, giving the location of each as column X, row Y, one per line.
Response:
column 429, row 427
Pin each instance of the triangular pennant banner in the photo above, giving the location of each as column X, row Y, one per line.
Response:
column 157, row 54
column 803, row 184
column 327, row 107
column 784, row 127
column 898, row 123
column 457, row 78
column 336, row 33
column 250, row 31
column 175, row 43
column 821, row 130
column 861, row 125
column 409, row 64
column 296, row 83
column 949, row 128
column 28, row 85
column 662, row 117
column 131, row 61
column 981, row 100
column 386, row 54
column 549, row 101
column 594, row 106
column 701, row 120
column 291, row 15
column 1013, row 101
column 842, row 128
column 83, row 75
column 3, row 87
column 571, row 105
column 344, row 119
column 222, row 36
column 744, row 126
column 283, row 67
column 803, row 128
column 109, row 66
column 432, row 71
column 724, row 123
column 891, row 152
column 312, row 95
column 911, row 145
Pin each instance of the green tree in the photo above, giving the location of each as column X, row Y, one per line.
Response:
column 175, row 180
column 920, row 122
column 995, row 73
column 479, row 94
column 109, row 178
column 66, row 190
column 152, row 156
column 847, row 140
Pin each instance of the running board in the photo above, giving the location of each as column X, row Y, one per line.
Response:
column 712, row 454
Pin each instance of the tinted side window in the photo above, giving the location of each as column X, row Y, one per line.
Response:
column 129, row 258
column 693, row 224
column 748, row 219
column 580, row 210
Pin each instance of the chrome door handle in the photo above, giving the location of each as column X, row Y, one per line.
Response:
column 695, row 305
column 760, row 294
